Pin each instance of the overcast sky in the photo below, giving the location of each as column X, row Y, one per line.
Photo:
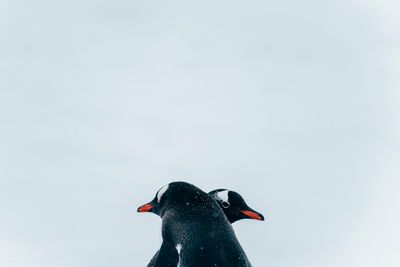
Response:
column 294, row 104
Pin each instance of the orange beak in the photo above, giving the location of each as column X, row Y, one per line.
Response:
column 145, row 208
column 253, row 215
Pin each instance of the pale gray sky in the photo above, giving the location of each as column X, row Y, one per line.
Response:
column 296, row 105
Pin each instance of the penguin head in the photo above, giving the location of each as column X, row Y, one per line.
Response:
column 157, row 205
column 172, row 195
column 234, row 206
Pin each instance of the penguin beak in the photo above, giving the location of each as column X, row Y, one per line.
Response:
column 252, row 214
column 145, row 208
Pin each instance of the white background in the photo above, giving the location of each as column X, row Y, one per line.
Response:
column 294, row 104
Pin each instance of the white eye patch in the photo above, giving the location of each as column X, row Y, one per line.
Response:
column 223, row 195
column 161, row 192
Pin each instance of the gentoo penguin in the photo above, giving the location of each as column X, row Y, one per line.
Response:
column 195, row 226
column 234, row 208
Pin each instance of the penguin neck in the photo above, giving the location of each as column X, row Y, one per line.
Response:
column 186, row 205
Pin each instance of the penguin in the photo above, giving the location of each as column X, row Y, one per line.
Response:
column 234, row 207
column 195, row 227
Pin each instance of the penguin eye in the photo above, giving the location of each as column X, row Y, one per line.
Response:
column 225, row 204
